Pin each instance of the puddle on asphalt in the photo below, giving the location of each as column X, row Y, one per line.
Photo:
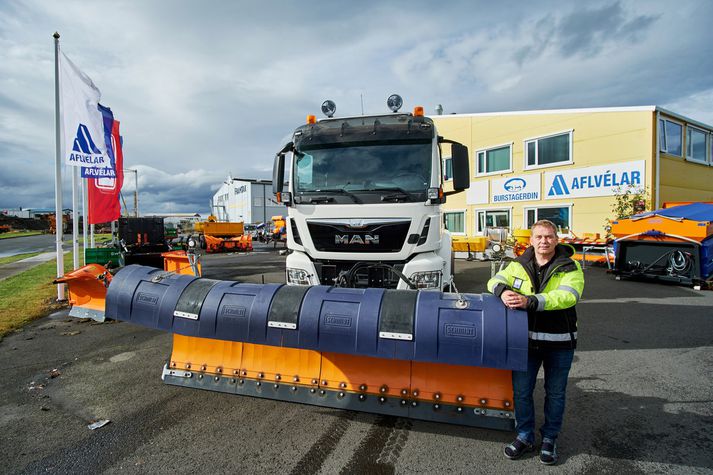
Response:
column 122, row 357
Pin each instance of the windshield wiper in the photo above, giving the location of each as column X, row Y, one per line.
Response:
column 396, row 197
column 320, row 199
column 341, row 191
column 400, row 194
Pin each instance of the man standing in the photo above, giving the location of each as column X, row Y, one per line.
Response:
column 547, row 283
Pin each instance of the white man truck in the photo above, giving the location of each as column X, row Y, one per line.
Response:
column 364, row 199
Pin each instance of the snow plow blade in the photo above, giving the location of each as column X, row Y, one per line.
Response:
column 87, row 291
column 424, row 355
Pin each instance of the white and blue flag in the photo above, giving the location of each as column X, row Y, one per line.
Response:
column 81, row 121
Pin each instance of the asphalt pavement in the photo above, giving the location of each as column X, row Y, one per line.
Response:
column 640, row 399
column 42, row 243
column 28, row 244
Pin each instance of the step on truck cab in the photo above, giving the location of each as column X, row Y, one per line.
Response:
column 364, row 198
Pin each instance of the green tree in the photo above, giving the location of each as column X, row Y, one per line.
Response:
column 628, row 201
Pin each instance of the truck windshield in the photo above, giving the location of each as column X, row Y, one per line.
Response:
column 379, row 167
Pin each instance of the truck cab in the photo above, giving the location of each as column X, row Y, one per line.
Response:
column 364, row 199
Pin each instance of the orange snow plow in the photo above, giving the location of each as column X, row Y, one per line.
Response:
column 672, row 244
column 87, row 291
column 423, row 355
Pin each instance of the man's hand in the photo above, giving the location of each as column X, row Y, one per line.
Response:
column 513, row 299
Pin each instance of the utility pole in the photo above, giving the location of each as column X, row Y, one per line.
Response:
column 136, row 189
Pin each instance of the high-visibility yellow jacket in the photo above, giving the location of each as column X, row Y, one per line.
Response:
column 552, row 318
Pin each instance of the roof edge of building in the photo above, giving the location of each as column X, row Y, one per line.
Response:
column 552, row 111
column 684, row 118
column 252, row 180
column 583, row 111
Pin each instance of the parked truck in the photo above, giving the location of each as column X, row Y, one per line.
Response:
column 364, row 198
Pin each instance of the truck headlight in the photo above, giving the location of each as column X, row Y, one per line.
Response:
column 427, row 280
column 297, row 277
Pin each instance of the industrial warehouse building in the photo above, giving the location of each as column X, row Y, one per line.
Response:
column 246, row 200
column 567, row 165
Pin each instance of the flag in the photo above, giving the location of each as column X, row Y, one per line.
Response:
column 108, row 170
column 104, row 205
column 81, row 120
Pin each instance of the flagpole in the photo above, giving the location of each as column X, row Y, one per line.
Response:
column 58, row 174
column 85, row 197
column 75, row 218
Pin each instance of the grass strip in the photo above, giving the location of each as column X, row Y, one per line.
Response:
column 30, row 295
column 14, row 234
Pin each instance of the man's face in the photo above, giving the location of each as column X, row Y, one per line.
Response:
column 544, row 240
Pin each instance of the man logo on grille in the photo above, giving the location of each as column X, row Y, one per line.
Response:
column 356, row 239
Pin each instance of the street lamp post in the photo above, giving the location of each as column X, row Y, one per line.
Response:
column 136, row 189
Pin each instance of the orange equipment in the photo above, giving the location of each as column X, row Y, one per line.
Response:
column 279, row 228
column 592, row 248
column 238, row 243
column 87, row 291
column 671, row 244
column 223, row 237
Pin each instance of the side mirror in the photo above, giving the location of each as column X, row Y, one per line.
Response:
column 278, row 169
column 278, row 173
column 461, row 166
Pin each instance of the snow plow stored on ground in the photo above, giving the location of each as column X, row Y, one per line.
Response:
column 421, row 354
column 672, row 244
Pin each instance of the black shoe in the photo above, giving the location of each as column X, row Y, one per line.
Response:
column 548, row 452
column 516, row 449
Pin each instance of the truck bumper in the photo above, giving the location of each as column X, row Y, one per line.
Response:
column 426, row 267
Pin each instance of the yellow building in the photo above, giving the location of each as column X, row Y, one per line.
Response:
column 567, row 165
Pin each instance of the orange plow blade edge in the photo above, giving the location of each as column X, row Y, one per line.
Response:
column 455, row 394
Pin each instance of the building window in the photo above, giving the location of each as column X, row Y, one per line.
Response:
column 671, row 137
column 496, row 218
column 560, row 215
column 696, row 146
column 455, row 222
column 550, row 150
column 494, row 160
column 447, row 169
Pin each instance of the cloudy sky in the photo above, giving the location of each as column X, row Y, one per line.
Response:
column 204, row 89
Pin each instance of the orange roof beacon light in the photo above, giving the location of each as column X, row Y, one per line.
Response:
column 418, row 111
column 394, row 102
column 311, row 119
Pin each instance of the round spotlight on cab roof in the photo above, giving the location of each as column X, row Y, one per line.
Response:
column 329, row 108
column 394, row 102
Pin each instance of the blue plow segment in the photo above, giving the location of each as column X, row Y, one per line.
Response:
column 425, row 326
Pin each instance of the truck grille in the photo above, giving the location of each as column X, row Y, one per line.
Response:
column 366, row 235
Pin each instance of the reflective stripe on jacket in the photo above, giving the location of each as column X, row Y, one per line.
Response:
column 552, row 318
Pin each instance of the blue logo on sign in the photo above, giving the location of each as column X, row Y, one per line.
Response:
column 515, row 184
column 559, row 187
column 85, row 151
column 83, row 142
